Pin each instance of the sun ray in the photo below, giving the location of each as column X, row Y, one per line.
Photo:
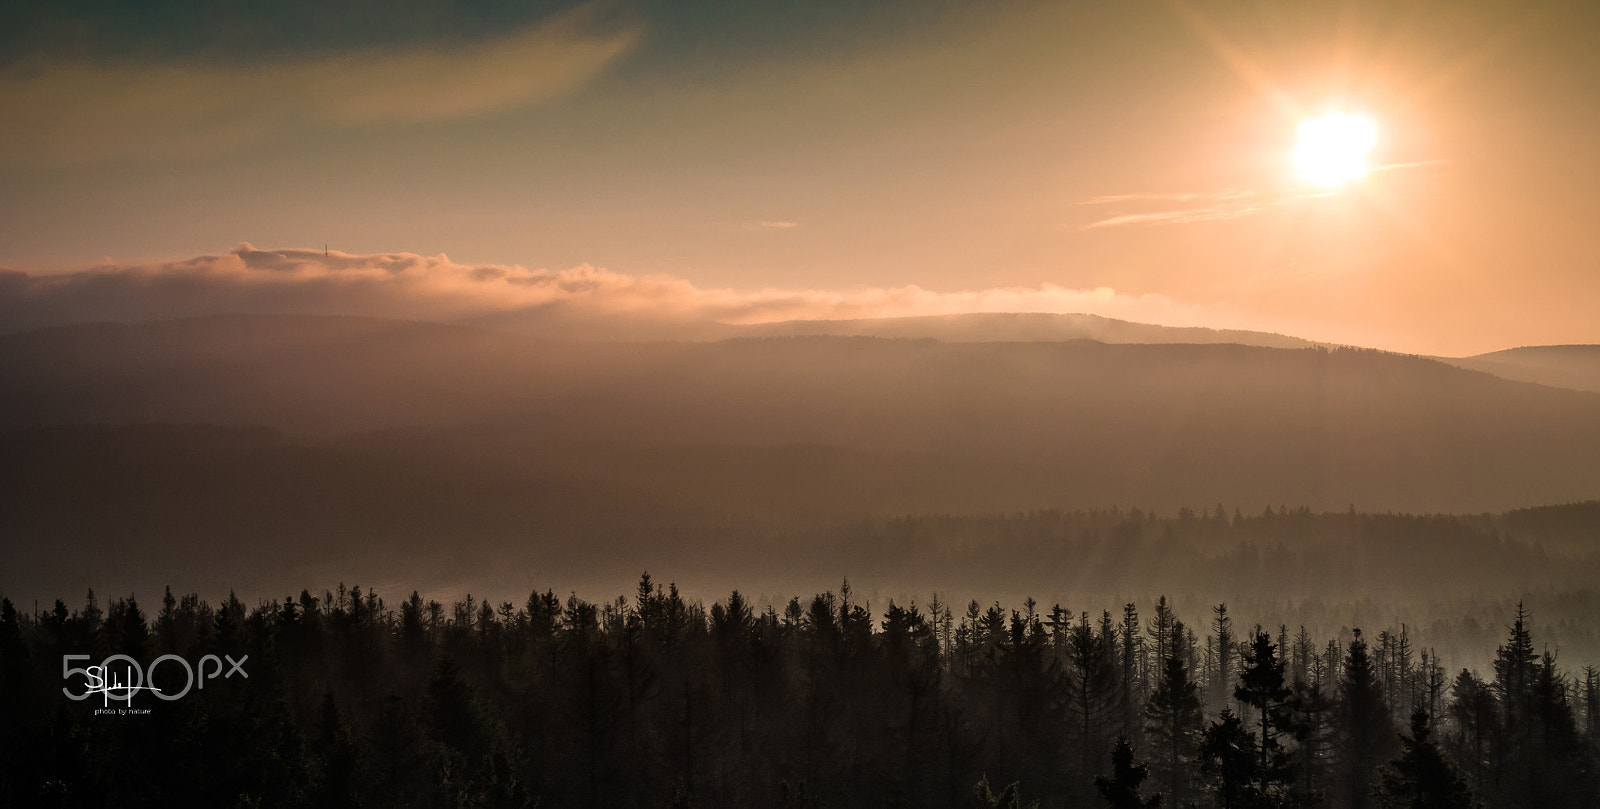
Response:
column 1238, row 61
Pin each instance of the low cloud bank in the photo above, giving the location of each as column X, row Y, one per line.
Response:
column 248, row 280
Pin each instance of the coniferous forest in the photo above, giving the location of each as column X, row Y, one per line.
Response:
column 1015, row 404
column 654, row 700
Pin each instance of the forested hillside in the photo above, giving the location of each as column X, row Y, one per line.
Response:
column 212, row 509
column 1134, row 489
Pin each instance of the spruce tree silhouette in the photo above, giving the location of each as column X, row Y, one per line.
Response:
column 1223, row 644
column 1421, row 778
column 338, row 755
column 1365, row 731
column 1228, row 756
column 1121, row 790
column 1174, row 720
column 1261, row 686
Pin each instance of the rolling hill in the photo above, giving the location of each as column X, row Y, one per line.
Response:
column 243, row 449
column 1570, row 366
column 1017, row 328
column 847, row 424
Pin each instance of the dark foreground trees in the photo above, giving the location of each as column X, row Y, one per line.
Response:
column 1421, row 778
column 1174, row 722
column 1122, row 788
column 1363, row 729
column 656, row 701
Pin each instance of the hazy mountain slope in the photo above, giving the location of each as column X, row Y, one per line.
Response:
column 1018, row 327
column 1569, row 527
column 311, row 375
column 409, row 452
column 1570, row 366
column 237, row 507
column 1008, row 327
column 133, row 509
column 830, row 426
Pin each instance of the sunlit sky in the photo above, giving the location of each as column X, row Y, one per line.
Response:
column 1129, row 158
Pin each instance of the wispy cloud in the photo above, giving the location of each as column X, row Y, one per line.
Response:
column 1171, row 196
column 1206, row 206
column 1414, row 164
column 779, row 225
column 407, row 285
column 70, row 112
column 1213, row 205
column 1177, row 217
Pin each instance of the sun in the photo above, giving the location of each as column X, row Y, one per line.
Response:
column 1333, row 149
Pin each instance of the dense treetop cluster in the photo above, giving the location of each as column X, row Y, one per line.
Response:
column 656, row 700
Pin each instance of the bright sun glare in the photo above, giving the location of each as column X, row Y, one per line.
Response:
column 1333, row 149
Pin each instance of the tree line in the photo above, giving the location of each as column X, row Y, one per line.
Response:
column 656, row 700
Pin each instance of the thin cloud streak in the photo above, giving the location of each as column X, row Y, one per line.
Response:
column 1227, row 204
column 1414, row 164
column 1176, row 217
column 1181, row 196
column 75, row 112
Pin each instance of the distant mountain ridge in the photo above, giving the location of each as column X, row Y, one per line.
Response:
column 982, row 327
column 1021, row 327
column 1560, row 366
column 1575, row 367
column 790, row 425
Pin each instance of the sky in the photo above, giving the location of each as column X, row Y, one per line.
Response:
column 755, row 161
